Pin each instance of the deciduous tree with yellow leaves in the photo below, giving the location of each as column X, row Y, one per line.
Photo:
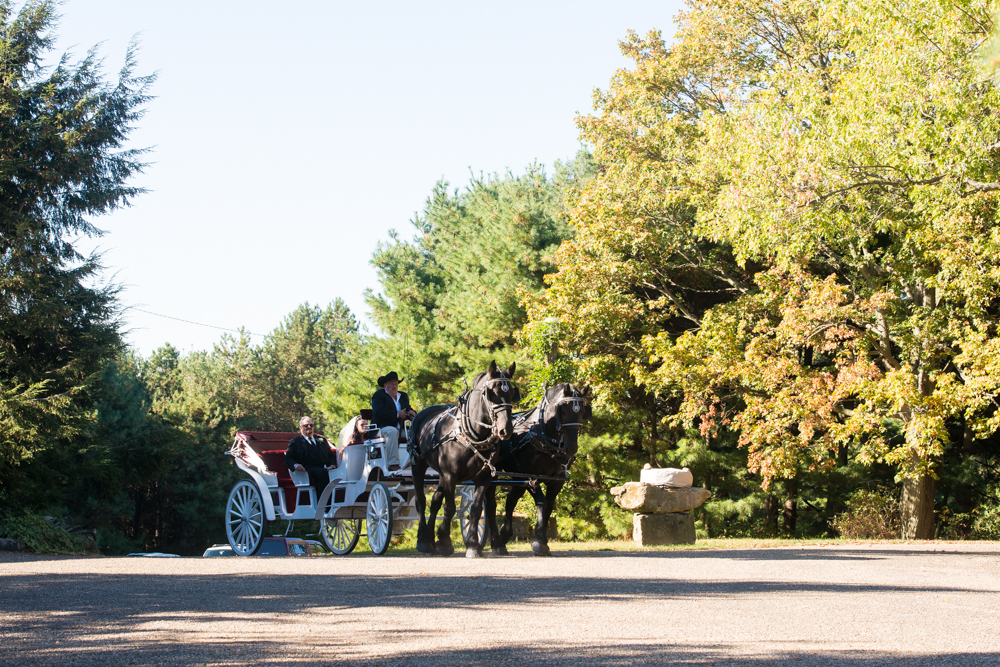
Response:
column 794, row 234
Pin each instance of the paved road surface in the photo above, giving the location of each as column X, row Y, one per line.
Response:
column 897, row 605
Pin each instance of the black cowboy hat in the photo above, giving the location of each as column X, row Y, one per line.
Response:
column 390, row 376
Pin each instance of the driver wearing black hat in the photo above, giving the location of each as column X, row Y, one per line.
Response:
column 390, row 408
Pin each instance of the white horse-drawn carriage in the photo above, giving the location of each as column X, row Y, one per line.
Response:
column 361, row 488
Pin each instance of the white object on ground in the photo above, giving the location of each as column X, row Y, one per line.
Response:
column 667, row 476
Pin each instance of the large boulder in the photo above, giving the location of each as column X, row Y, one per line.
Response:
column 662, row 529
column 654, row 499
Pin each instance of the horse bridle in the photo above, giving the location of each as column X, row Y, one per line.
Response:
column 495, row 409
column 464, row 420
column 576, row 400
column 554, row 447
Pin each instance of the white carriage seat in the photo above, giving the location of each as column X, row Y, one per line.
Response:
column 353, row 463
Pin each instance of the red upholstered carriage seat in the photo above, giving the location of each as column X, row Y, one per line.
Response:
column 271, row 447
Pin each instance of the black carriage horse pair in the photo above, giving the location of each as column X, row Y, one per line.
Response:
column 479, row 437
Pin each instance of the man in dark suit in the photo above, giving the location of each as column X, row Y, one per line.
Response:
column 311, row 453
column 390, row 408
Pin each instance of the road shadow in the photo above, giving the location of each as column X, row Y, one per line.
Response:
column 264, row 651
column 116, row 619
column 771, row 554
column 148, row 595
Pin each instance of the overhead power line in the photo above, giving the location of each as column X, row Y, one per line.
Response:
column 210, row 326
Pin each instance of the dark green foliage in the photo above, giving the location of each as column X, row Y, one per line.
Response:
column 41, row 536
column 62, row 162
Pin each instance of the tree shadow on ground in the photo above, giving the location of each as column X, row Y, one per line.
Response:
column 772, row 554
column 333, row 654
column 147, row 596
column 119, row 619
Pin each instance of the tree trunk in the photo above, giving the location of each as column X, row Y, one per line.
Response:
column 790, row 511
column 771, row 505
column 842, row 460
column 916, row 509
column 159, row 517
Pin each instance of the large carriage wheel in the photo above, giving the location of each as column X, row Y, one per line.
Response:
column 465, row 494
column 379, row 518
column 245, row 520
column 340, row 535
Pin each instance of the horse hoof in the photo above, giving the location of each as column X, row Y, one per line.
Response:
column 423, row 547
column 472, row 552
column 501, row 551
column 445, row 549
column 540, row 549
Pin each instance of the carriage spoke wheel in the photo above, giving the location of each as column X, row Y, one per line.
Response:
column 340, row 535
column 465, row 494
column 379, row 519
column 245, row 520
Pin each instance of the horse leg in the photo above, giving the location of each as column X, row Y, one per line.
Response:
column 425, row 539
column 552, row 490
column 507, row 532
column 539, row 543
column 444, row 544
column 473, row 540
column 491, row 519
column 437, row 547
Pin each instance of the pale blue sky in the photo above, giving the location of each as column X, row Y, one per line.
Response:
column 290, row 138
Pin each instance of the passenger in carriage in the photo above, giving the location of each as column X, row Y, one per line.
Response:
column 353, row 433
column 311, row 453
column 390, row 408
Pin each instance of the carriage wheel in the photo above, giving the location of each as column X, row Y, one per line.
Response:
column 245, row 520
column 379, row 519
column 465, row 494
column 340, row 535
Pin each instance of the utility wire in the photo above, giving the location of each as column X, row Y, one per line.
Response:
column 210, row 326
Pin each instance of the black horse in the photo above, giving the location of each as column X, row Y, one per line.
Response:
column 459, row 442
column 544, row 444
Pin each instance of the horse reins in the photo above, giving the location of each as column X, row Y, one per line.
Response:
column 464, row 421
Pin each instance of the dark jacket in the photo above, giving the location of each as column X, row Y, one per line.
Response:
column 384, row 410
column 308, row 455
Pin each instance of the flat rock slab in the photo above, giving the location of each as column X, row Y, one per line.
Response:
column 653, row 499
column 650, row 530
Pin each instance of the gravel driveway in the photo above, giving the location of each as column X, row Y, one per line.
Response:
column 901, row 605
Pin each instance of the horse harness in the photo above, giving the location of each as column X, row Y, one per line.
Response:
column 540, row 440
column 463, row 423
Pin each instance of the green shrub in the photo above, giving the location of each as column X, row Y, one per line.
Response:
column 954, row 526
column 871, row 515
column 40, row 536
column 986, row 522
column 571, row 529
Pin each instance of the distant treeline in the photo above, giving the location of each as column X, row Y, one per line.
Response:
column 776, row 265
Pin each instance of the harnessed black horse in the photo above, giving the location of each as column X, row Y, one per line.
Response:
column 459, row 441
column 544, row 445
